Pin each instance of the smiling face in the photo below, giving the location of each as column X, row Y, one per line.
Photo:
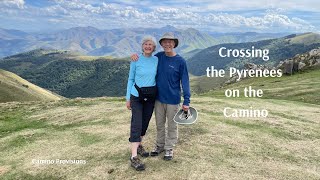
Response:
column 167, row 45
column 148, row 47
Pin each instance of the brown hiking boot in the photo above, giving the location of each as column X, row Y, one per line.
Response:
column 156, row 151
column 137, row 164
column 168, row 154
column 142, row 151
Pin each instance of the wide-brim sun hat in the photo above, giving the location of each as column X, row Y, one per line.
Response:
column 170, row 35
column 186, row 117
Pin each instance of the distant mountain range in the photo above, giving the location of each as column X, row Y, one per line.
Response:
column 72, row 75
column 244, row 37
column 115, row 42
column 279, row 49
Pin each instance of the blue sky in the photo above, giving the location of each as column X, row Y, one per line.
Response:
column 206, row 15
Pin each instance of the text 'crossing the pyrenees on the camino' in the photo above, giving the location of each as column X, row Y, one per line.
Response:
column 247, row 92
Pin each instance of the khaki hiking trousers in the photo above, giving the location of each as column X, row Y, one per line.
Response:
column 164, row 113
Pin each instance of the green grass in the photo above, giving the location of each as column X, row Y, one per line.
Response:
column 76, row 102
column 291, row 117
column 301, row 87
column 27, row 176
column 73, row 125
column 202, row 84
column 282, row 146
column 87, row 139
column 14, row 121
column 20, row 141
column 264, row 128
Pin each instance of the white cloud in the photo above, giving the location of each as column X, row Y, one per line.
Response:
column 52, row 11
column 243, row 5
column 270, row 21
column 13, row 3
column 129, row 12
column 204, row 14
column 167, row 10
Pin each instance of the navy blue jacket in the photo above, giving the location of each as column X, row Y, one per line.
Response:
column 172, row 71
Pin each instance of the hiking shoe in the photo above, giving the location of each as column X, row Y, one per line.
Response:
column 156, row 151
column 142, row 151
column 137, row 164
column 168, row 154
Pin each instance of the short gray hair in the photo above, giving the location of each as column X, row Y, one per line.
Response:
column 149, row 38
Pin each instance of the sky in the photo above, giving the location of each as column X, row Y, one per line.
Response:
column 271, row 16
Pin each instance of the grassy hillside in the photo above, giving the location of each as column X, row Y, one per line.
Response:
column 244, row 36
column 203, row 84
column 306, row 38
column 283, row 146
column 71, row 75
column 302, row 87
column 279, row 49
column 14, row 88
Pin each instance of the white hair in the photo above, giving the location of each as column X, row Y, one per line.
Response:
column 150, row 38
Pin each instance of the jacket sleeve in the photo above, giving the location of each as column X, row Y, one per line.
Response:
column 157, row 54
column 184, row 76
column 131, row 79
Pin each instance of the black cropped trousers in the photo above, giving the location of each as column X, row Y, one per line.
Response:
column 141, row 115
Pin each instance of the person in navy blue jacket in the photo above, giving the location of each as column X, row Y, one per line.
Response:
column 171, row 74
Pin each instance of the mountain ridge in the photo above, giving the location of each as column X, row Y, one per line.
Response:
column 93, row 41
column 69, row 74
column 114, row 42
column 279, row 49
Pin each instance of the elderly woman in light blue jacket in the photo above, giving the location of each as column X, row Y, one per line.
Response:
column 141, row 81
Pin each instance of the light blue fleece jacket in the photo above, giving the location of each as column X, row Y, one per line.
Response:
column 142, row 72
